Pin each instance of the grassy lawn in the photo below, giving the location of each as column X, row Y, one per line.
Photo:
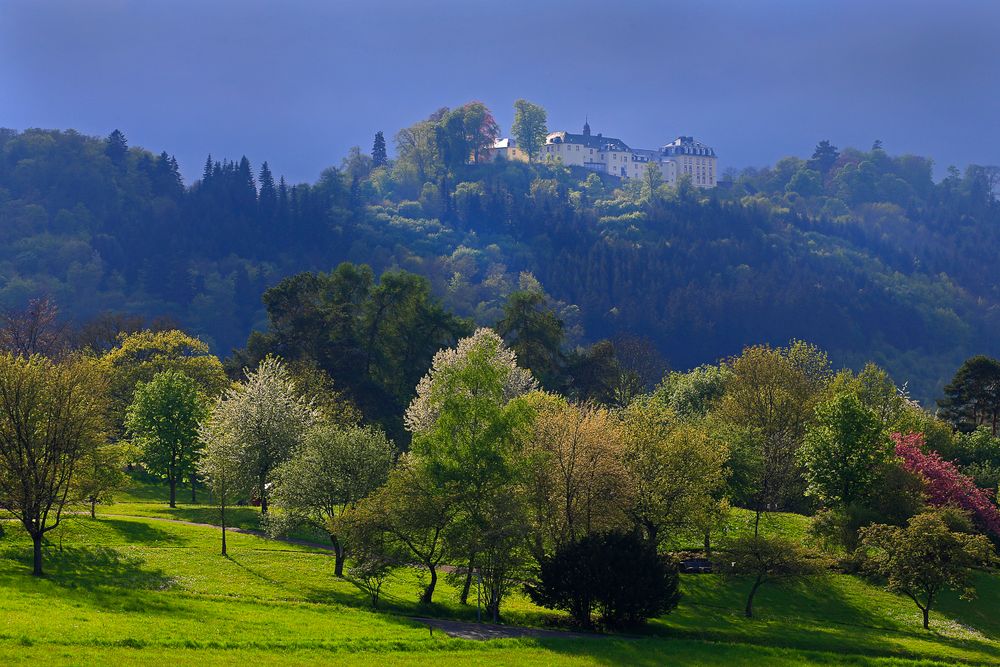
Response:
column 123, row 590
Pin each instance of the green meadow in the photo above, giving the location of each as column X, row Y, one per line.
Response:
column 137, row 585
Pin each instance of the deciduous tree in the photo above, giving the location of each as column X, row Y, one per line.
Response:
column 579, row 483
column 765, row 559
column 535, row 333
column 51, row 415
column 529, row 128
column 220, row 463
column 468, row 428
column 332, row 469
column 269, row 416
column 845, row 451
column 769, row 399
column 101, row 473
column 162, row 422
column 944, row 484
column 932, row 553
column 138, row 357
column 675, row 469
column 414, row 513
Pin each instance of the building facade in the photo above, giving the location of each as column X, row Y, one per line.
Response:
column 684, row 156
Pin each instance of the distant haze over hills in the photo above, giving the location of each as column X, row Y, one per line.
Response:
column 299, row 83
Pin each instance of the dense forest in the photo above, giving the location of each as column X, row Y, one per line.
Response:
column 860, row 252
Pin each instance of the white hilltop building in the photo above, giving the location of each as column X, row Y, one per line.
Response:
column 684, row 156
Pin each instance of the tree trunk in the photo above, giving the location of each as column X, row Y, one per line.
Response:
column 263, row 497
column 428, row 595
column 93, row 508
column 173, row 491
column 708, row 543
column 222, row 506
column 37, row 561
column 464, row 598
column 194, row 498
column 652, row 531
column 338, row 554
column 753, row 591
column 927, row 623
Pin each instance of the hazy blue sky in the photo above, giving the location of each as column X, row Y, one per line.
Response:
column 297, row 83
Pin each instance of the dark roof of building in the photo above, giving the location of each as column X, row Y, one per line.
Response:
column 688, row 146
column 589, row 140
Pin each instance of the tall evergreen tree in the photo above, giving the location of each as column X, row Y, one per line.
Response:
column 267, row 200
column 206, row 174
column 283, row 204
column 379, row 156
column 246, row 188
column 972, row 398
column 824, row 156
column 116, row 147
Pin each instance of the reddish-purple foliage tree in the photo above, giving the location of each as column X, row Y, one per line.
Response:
column 944, row 484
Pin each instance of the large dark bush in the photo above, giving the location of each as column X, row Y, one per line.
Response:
column 618, row 575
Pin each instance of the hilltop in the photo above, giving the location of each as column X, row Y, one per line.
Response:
column 860, row 252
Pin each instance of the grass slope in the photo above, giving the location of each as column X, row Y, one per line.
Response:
column 133, row 589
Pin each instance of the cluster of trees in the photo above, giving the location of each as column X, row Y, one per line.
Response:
column 376, row 338
column 507, row 480
column 859, row 251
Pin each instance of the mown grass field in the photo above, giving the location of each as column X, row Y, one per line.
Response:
column 132, row 588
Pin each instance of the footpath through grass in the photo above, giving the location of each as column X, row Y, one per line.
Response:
column 126, row 590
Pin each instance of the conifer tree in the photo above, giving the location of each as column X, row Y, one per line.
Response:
column 282, row 206
column 246, row 188
column 379, row 156
column 117, row 147
column 208, row 171
column 267, row 200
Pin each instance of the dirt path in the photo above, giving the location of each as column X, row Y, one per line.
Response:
column 485, row 631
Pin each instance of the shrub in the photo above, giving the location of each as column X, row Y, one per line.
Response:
column 945, row 484
column 619, row 575
column 410, row 209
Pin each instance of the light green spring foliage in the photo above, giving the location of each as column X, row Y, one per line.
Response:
column 694, row 393
column 529, row 128
column 219, row 465
column 51, row 415
column 845, row 451
column 767, row 559
column 140, row 356
column 934, row 552
column 163, row 420
column 470, row 422
column 100, row 473
column 466, row 421
column 768, row 402
column 332, row 469
column 877, row 392
column 675, row 468
column 269, row 417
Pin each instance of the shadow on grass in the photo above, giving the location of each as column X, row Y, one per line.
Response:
column 100, row 576
column 817, row 614
column 247, row 568
column 91, row 568
column 246, row 518
column 138, row 532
